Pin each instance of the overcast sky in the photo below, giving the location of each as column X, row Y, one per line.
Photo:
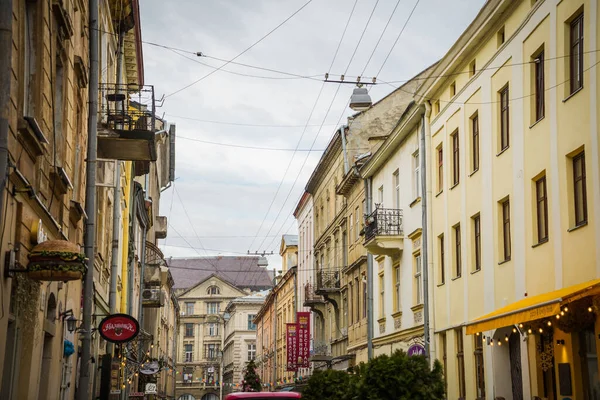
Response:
column 223, row 193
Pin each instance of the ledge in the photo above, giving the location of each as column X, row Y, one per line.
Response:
column 572, row 94
column 440, row 192
column 540, row 243
column 441, row 284
column 536, row 122
column 457, row 277
column 415, row 201
column 577, row 227
column 397, row 314
column 475, row 271
column 455, row 185
column 504, row 261
column 503, row 150
column 381, row 320
column 473, row 172
column 417, row 307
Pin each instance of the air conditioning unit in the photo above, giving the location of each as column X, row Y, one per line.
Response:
column 153, row 298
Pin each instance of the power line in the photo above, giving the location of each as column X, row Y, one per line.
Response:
column 243, row 52
column 381, row 36
column 245, row 124
column 241, row 146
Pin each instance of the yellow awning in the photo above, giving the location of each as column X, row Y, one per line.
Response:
column 532, row 308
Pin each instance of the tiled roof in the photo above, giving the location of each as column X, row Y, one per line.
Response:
column 242, row 272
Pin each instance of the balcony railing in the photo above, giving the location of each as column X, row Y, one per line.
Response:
column 384, row 222
column 310, row 296
column 329, row 280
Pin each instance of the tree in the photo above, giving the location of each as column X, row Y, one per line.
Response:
column 327, row 385
column 251, row 381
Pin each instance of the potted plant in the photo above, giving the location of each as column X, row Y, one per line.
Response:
column 56, row 260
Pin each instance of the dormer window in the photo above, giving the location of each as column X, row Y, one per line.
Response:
column 214, row 290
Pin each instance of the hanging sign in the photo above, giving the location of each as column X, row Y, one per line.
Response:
column 303, row 319
column 416, row 350
column 119, row 328
column 292, row 346
column 150, row 388
column 150, row 368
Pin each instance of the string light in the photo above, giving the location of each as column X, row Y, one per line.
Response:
column 589, row 309
column 506, row 338
column 492, row 343
column 477, row 333
column 521, row 326
column 566, row 309
column 549, row 323
column 562, row 313
column 557, row 316
column 529, row 331
column 541, row 330
column 514, row 330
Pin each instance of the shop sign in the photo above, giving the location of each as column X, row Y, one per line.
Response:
column 292, row 347
column 150, row 388
column 416, row 350
column 119, row 328
column 150, row 368
column 37, row 233
column 116, row 391
column 115, row 371
column 303, row 319
column 136, row 394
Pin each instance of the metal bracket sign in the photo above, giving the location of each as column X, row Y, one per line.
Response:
column 119, row 328
column 150, row 388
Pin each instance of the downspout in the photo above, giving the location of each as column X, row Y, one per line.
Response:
column 276, row 339
column 6, row 18
column 114, row 267
column 369, row 207
column 344, row 149
column 426, row 191
column 133, row 221
column 90, row 204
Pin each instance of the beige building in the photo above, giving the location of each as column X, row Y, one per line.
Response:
column 240, row 338
column 204, row 287
column 514, row 191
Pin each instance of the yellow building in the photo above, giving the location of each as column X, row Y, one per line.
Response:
column 514, row 193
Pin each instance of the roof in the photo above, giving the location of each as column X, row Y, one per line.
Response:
column 240, row 271
column 290, row 240
column 257, row 297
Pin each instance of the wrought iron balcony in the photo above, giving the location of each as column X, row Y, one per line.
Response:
column 311, row 298
column 329, row 280
column 126, row 124
column 384, row 232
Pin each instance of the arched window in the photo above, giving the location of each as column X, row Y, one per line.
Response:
column 214, row 290
column 186, row 397
column 210, row 396
column 51, row 308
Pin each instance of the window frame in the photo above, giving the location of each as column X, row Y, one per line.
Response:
column 540, row 86
column 209, row 309
column 504, row 118
column 442, row 254
column 541, row 201
column 457, row 252
column 418, row 279
column 251, row 324
column 382, row 295
column 251, row 351
column 581, row 216
column 506, row 236
column 440, row 154
column 188, row 351
column 188, row 326
column 477, row 241
column 576, row 60
column 396, row 179
column 397, row 287
column 189, row 306
column 475, row 142
column 455, row 158
column 479, row 366
column 460, row 360
column 417, row 174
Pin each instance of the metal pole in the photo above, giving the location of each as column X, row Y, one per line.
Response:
column 222, row 363
column 6, row 18
column 114, row 267
column 369, row 207
column 90, row 206
column 275, row 338
column 424, row 255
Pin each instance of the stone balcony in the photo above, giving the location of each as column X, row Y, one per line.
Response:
column 384, row 234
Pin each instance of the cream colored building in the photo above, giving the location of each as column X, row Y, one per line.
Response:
column 514, row 192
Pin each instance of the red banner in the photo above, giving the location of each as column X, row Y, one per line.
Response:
column 303, row 319
column 291, row 331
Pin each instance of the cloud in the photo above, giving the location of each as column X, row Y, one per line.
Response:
column 227, row 191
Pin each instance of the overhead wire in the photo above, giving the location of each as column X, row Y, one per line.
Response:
column 242, row 53
column 381, row 36
column 244, row 124
column 241, row 146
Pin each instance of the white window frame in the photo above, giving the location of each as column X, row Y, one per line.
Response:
column 419, row 278
column 396, row 179
column 251, row 351
column 416, row 174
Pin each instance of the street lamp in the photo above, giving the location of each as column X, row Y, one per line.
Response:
column 360, row 99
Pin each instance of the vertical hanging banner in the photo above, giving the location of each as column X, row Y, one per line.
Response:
column 291, row 331
column 303, row 319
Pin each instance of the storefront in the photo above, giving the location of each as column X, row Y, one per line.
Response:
column 545, row 346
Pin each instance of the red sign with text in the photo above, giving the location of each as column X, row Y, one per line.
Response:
column 291, row 331
column 303, row 319
column 119, row 328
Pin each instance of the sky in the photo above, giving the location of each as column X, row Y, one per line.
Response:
column 230, row 200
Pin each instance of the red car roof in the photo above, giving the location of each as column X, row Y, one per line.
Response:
column 263, row 395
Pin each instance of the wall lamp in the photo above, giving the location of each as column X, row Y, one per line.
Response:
column 72, row 322
column 560, row 342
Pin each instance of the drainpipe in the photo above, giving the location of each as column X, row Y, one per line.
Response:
column 90, row 204
column 369, row 207
column 114, row 266
column 276, row 339
column 133, row 221
column 6, row 18
column 344, row 149
column 426, row 193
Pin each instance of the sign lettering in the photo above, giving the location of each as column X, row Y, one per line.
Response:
column 303, row 319
column 292, row 347
column 118, row 328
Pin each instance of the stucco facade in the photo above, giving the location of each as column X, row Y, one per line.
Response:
column 514, row 195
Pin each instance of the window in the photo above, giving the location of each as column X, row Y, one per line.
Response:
column 418, row 279
column 455, row 159
column 212, row 308
column 213, row 290
column 396, row 178
column 29, row 58
column 442, row 264
column 472, row 68
column 436, row 107
column 479, row 367
column 381, row 296
column 417, row 174
column 213, row 329
column 576, row 54
column 506, row 229
column 460, row 358
column 457, row 255
column 444, row 347
column 453, row 89
column 397, row 298
column 211, row 351
column 357, row 229
column 188, row 352
column 189, row 308
column 189, row 330
column 357, row 303
column 504, row 119
column 251, row 324
column 380, row 195
column 541, row 209
column 539, row 86
column 251, row 351
column 364, row 298
column 500, row 37
column 477, row 241
column 440, row 154
column 475, row 142
column 351, row 225
column 579, row 189
column 351, row 305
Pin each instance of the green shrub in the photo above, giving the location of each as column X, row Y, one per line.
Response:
column 327, row 385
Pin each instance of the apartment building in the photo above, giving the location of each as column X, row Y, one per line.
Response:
column 514, row 192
